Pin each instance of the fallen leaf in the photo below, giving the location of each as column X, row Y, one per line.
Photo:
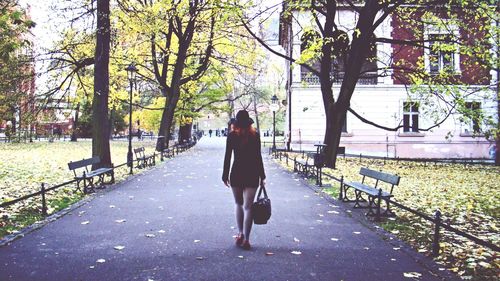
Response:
column 85, row 222
column 161, row 231
column 296, row 240
column 357, row 232
column 269, row 254
column 119, row 248
column 112, row 206
column 366, row 248
column 200, row 258
column 240, row 257
column 120, row 221
column 149, row 235
column 334, row 239
column 91, row 267
column 297, row 252
column 396, row 248
column 412, row 274
column 101, row 261
column 196, row 241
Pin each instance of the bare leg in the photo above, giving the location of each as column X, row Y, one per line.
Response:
column 248, row 196
column 238, row 199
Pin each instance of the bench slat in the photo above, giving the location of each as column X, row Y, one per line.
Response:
column 85, row 162
column 367, row 189
column 140, row 149
column 392, row 179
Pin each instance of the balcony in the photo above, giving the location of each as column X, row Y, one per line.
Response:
column 369, row 78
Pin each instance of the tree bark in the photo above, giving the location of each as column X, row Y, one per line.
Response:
column 100, row 118
column 336, row 111
column 166, row 122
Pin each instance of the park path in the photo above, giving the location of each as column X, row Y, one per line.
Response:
column 176, row 222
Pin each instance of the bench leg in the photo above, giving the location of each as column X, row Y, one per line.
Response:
column 371, row 204
column 379, row 199
column 388, row 212
column 89, row 185
column 359, row 198
column 344, row 194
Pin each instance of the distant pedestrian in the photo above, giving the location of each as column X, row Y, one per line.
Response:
column 246, row 174
column 210, row 132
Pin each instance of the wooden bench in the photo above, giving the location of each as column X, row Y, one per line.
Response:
column 302, row 166
column 168, row 152
column 91, row 179
column 144, row 161
column 308, row 168
column 375, row 194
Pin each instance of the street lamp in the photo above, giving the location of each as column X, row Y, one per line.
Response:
column 274, row 107
column 131, row 72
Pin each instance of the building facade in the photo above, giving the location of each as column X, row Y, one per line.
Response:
column 388, row 97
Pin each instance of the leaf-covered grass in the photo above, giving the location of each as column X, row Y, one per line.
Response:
column 467, row 195
column 24, row 166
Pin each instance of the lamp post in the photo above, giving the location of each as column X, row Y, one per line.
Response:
column 274, row 107
column 131, row 71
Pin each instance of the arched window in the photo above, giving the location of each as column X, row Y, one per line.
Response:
column 308, row 38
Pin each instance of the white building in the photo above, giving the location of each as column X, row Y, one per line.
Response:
column 385, row 100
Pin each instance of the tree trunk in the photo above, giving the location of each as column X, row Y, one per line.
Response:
column 75, row 123
column 336, row 112
column 335, row 119
column 185, row 132
column 100, row 122
column 167, row 119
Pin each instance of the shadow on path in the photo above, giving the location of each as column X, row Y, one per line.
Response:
column 176, row 222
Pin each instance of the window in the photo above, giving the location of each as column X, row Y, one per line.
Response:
column 308, row 39
column 473, row 112
column 441, row 52
column 440, row 59
column 410, row 117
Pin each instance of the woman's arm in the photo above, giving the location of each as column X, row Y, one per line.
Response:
column 227, row 160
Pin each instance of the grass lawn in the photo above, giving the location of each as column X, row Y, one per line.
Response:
column 468, row 197
column 24, row 166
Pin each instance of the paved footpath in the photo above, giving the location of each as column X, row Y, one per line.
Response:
column 176, row 222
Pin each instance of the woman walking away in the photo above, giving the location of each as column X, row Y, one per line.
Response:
column 246, row 174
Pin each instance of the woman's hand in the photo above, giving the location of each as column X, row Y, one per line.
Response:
column 227, row 183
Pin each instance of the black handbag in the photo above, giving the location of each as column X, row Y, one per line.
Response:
column 261, row 209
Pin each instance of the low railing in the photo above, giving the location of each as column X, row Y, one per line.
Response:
column 436, row 219
column 369, row 78
column 44, row 189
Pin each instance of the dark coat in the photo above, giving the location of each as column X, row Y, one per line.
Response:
column 247, row 169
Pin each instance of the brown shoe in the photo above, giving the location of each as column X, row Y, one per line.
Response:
column 239, row 240
column 246, row 245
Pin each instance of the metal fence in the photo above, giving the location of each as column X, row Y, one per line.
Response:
column 44, row 189
column 436, row 219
